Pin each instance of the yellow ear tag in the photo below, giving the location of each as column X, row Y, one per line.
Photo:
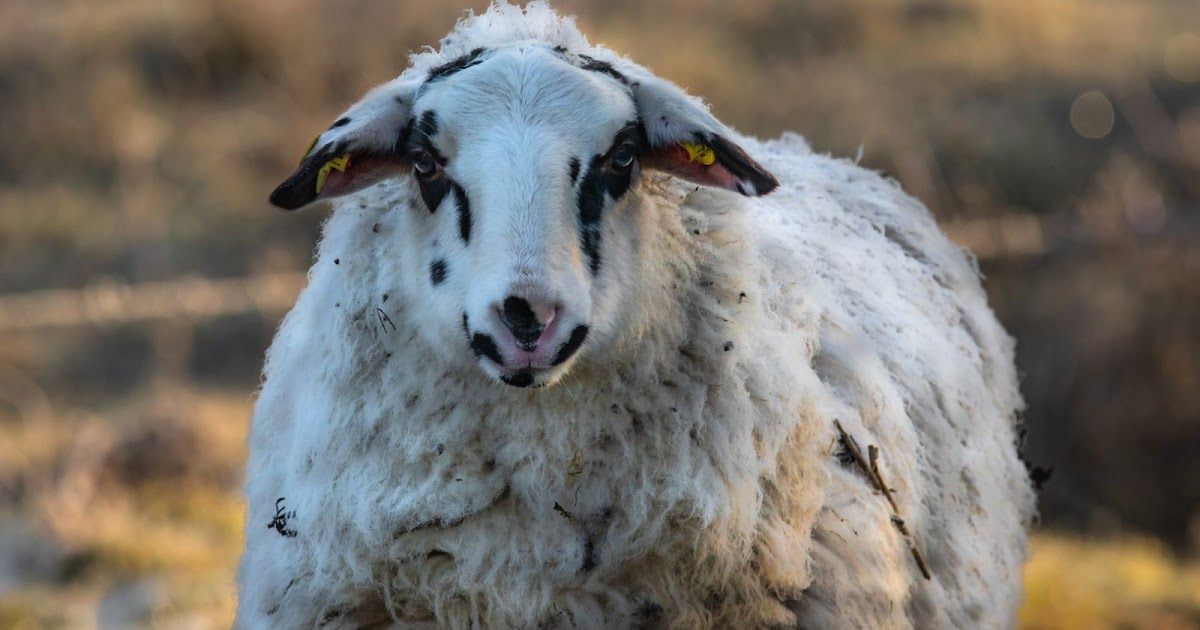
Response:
column 312, row 144
column 700, row 153
column 338, row 164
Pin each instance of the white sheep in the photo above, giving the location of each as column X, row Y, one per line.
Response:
column 654, row 438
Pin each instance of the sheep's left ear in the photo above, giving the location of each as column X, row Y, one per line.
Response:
column 364, row 146
column 685, row 140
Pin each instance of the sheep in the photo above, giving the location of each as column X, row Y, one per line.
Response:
column 574, row 353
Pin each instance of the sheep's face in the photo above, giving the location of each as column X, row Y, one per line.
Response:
column 530, row 158
column 524, row 162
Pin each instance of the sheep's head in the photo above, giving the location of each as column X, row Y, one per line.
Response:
column 524, row 159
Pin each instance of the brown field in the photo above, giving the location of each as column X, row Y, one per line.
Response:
column 1059, row 138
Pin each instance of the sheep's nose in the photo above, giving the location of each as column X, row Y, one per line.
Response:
column 527, row 320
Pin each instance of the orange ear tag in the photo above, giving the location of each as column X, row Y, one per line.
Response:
column 338, row 164
column 700, row 153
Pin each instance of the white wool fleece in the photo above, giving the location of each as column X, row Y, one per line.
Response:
column 686, row 474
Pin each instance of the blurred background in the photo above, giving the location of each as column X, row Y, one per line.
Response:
column 142, row 273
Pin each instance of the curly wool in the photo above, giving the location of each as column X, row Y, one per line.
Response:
column 688, row 475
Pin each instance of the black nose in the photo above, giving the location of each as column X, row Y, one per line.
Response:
column 519, row 318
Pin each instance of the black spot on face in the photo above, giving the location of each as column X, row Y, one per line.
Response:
column 435, row 185
column 427, row 126
column 466, row 327
column 341, row 122
column 602, row 182
column 521, row 378
column 603, row 67
column 437, row 272
column 434, row 189
column 464, row 212
column 591, row 202
column 571, row 345
column 462, row 63
column 574, row 169
column 485, row 346
column 403, row 138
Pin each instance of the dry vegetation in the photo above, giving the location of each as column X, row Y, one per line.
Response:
column 140, row 139
column 130, row 514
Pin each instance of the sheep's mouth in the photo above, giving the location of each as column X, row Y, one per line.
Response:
column 505, row 359
column 527, row 377
column 520, row 378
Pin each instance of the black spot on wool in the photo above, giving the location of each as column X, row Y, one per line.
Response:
column 341, row 122
column 458, row 65
column 280, row 522
column 571, row 345
column 485, row 346
column 437, row 272
column 589, row 555
column 649, row 612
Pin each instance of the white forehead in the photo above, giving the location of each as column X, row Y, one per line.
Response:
column 528, row 86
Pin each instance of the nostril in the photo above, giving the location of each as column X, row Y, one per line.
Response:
column 519, row 317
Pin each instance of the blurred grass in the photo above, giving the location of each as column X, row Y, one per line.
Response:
column 131, row 514
column 141, row 137
column 1135, row 582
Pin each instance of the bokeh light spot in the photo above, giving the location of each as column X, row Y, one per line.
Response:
column 1181, row 57
column 1092, row 115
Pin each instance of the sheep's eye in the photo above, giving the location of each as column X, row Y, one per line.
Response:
column 623, row 157
column 423, row 162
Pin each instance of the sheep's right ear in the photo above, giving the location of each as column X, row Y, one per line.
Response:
column 364, row 146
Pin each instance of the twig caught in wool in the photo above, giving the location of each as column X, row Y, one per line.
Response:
column 870, row 467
